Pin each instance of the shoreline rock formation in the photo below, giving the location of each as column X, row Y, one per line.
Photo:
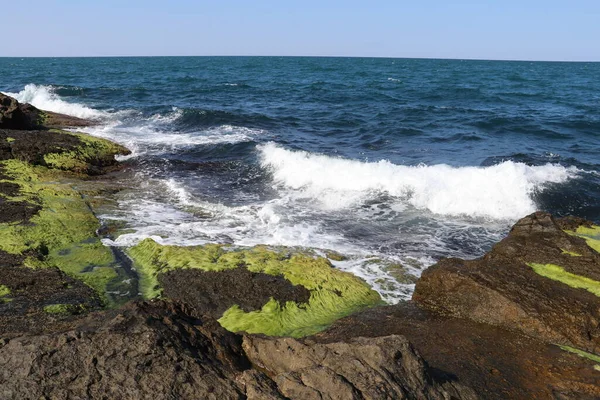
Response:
column 520, row 322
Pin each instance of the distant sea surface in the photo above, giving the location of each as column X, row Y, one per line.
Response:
column 391, row 162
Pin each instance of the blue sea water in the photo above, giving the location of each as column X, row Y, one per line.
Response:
column 389, row 161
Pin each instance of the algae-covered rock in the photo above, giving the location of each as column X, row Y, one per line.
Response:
column 43, row 217
column 332, row 294
column 530, row 282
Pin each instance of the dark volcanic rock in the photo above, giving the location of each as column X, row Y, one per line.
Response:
column 143, row 351
column 212, row 293
column 494, row 362
column 502, row 289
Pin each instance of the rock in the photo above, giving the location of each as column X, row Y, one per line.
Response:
column 494, row 362
column 143, row 351
column 156, row 350
column 18, row 116
column 14, row 115
column 540, row 280
column 359, row 368
column 212, row 292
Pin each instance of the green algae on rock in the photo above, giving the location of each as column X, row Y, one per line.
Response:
column 62, row 232
column 558, row 273
column 333, row 293
column 581, row 353
column 4, row 291
column 571, row 253
column 590, row 234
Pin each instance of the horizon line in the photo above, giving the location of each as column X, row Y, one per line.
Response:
column 314, row 56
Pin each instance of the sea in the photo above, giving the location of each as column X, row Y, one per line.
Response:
column 392, row 163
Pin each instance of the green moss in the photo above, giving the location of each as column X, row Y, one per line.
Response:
column 10, row 140
column 64, row 230
column 558, row 273
column 66, row 161
column 4, row 291
column 334, row 294
column 581, row 353
column 91, row 151
column 591, row 236
column 64, row 308
column 570, row 253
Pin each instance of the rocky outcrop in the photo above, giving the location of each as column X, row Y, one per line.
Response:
column 155, row 350
column 14, row 115
column 520, row 322
column 526, row 283
column 18, row 116
column 494, row 362
column 386, row 367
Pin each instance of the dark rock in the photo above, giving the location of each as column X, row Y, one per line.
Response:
column 155, row 350
column 31, row 290
column 385, row 367
column 14, row 115
column 143, row 351
column 33, row 146
column 212, row 292
column 18, row 116
column 494, row 362
column 502, row 289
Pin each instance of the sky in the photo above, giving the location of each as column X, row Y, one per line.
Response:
column 566, row 30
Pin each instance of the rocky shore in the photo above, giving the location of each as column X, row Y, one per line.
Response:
column 220, row 322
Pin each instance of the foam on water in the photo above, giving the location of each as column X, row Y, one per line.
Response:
column 43, row 97
column 378, row 214
column 502, row 191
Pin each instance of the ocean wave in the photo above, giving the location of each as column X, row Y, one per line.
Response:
column 154, row 136
column 502, row 191
column 45, row 98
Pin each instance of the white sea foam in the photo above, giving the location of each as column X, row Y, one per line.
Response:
column 154, row 136
column 43, row 97
column 503, row 191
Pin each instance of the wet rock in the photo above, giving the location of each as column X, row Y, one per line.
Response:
column 509, row 286
column 33, row 292
column 60, row 150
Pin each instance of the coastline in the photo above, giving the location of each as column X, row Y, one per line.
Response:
column 464, row 334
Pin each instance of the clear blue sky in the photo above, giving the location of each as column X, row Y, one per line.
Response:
column 489, row 29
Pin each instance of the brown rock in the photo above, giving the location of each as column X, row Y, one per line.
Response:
column 18, row 116
column 502, row 290
column 14, row 115
column 495, row 363
column 356, row 368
